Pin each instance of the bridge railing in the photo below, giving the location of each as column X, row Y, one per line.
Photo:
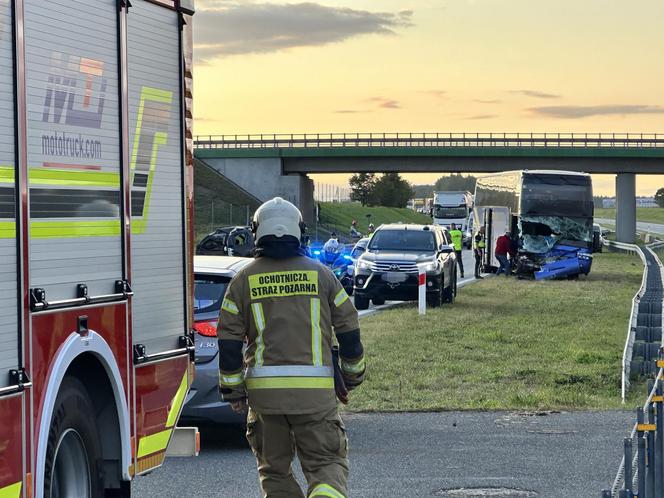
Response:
column 326, row 140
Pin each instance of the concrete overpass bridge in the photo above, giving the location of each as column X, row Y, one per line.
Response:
column 268, row 165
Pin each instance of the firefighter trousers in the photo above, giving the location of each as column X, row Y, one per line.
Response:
column 321, row 446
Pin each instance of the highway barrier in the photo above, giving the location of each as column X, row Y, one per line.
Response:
column 641, row 472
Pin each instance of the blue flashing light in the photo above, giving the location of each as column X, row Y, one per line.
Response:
column 317, row 253
column 346, row 256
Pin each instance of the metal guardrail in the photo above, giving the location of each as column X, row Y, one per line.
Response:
column 327, row 140
column 644, row 471
column 631, row 326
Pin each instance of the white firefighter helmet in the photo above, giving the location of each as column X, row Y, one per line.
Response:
column 277, row 217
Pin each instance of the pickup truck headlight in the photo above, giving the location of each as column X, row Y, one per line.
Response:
column 431, row 267
column 362, row 265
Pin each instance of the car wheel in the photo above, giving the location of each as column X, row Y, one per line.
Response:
column 449, row 292
column 73, row 452
column 435, row 299
column 378, row 301
column 361, row 303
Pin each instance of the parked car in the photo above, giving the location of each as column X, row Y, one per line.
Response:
column 348, row 279
column 227, row 241
column 212, row 275
column 388, row 270
column 359, row 248
column 598, row 238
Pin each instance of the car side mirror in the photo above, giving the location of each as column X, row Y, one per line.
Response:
column 446, row 248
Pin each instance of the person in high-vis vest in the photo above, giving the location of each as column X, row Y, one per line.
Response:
column 289, row 308
column 479, row 245
column 457, row 240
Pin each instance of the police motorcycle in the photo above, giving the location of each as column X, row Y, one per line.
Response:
column 338, row 261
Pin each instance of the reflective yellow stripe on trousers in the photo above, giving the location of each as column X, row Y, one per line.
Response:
column 325, row 490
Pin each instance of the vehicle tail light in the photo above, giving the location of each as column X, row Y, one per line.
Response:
column 207, row 329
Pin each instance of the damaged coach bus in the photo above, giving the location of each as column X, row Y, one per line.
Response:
column 549, row 215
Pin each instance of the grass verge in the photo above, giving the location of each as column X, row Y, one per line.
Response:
column 506, row 344
column 648, row 215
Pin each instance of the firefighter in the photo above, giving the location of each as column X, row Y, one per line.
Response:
column 287, row 307
column 479, row 245
column 457, row 240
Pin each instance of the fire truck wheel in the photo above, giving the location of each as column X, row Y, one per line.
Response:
column 73, row 454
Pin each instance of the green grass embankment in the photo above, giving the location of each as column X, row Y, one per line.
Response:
column 648, row 215
column 218, row 202
column 338, row 216
column 506, row 344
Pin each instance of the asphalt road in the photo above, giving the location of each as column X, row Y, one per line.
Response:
column 641, row 226
column 427, row 454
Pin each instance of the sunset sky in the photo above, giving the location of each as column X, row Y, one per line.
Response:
column 431, row 65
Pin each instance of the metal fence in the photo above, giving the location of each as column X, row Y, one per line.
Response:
column 215, row 213
column 327, row 140
column 628, row 351
column 325, row 192
column 641, row 474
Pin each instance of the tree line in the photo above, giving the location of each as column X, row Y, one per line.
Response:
column 391, row 190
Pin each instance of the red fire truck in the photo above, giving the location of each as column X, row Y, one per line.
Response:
column 96, row 178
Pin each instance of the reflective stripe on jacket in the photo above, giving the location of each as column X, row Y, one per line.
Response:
column 287, row 310
column 478, row 241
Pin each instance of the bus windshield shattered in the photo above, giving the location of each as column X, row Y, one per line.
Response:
column 555, row 210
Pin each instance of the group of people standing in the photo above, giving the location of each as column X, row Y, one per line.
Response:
column 506, row 250
column 478, row 244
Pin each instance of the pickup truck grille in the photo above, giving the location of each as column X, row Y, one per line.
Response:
column 394, row 266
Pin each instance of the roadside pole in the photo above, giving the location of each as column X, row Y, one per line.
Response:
column 422, row 290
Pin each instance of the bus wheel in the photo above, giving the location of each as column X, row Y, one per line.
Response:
column 73, row 453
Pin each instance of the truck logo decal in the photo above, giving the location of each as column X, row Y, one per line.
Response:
column 154, row 114
column 61, row 105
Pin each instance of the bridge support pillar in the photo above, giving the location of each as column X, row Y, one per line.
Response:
column 626, row 207
column 307, row 203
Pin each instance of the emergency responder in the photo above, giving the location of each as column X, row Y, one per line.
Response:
column 286, row 306
column 479, row 245
column 503, row 245
column 354, row 234
column 457, row 240
column 332, row 244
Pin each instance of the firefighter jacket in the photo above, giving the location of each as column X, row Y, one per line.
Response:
column 286, row 310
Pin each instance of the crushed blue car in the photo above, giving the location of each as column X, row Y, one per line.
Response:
column 565, row 262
